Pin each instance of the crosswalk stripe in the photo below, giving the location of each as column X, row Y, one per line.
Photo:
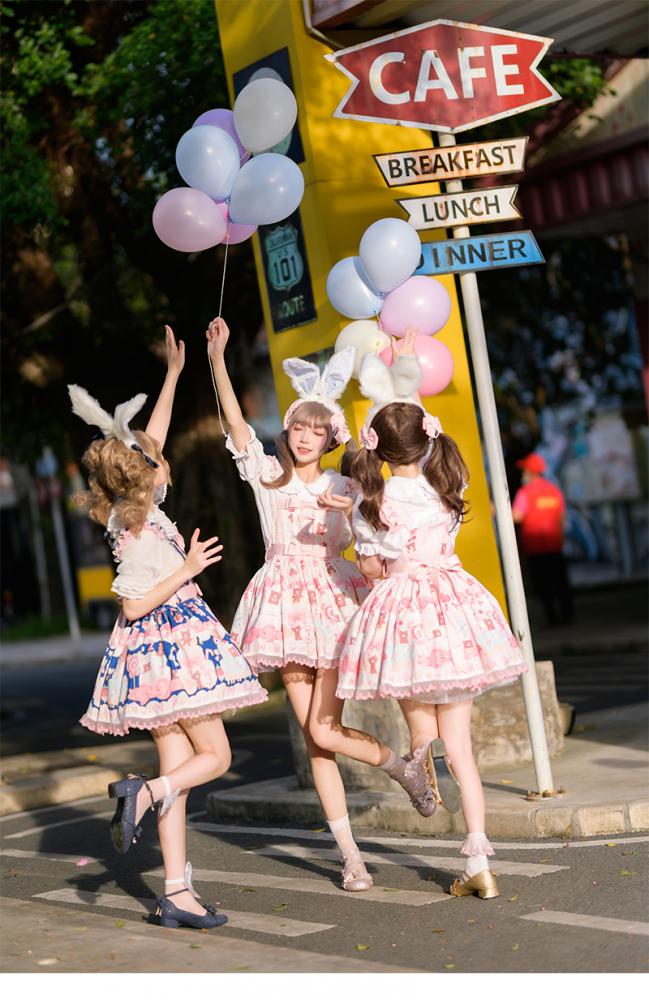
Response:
column 70, row 859
column 53, row 826
column 403, row 897
column 405, row 860
column 47, row 809
column 259, row 922
column 591, row 922
column 296, row 834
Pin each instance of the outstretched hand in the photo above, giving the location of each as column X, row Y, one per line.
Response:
column 175, row 352
column 405, row 345
column 217, row 334
column 202, row 554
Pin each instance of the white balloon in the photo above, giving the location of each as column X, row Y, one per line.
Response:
column 349, row 291
column 264, row 113
column 208, row 160
column 268, row 189
column 366, row 336
column 390, row 250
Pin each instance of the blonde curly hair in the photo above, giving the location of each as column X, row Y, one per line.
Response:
column 120, row 474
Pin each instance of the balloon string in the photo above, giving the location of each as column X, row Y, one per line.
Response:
column 225, row 267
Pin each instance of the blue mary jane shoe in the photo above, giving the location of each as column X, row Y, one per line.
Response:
column 171, row 916
column 123, row 828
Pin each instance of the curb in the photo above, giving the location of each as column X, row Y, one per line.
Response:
column 278, row 800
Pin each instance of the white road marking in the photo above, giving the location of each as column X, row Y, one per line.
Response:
column 69, row 859
column 277, row 925
column 46, row 809
column 406, row 860
column 53, row 826
column 295, row 834
column 403, row 897
column 591, row 922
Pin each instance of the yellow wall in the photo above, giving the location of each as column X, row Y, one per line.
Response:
column 344, row 194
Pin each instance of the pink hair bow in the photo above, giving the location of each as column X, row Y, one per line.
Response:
column 369, row 438
column 431, row 425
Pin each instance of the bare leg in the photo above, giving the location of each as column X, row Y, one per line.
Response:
column 326, row 728
column 211, row 759
column 421, row 720
column 174, row 748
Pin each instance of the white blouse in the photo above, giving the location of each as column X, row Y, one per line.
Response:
column 408, row 504
column 145, row 559
column 254, row 465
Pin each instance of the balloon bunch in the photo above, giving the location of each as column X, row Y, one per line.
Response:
column 380, row 283
column 230, row 192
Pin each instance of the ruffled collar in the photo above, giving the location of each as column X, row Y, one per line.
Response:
column 326, row 481
column 156, row 518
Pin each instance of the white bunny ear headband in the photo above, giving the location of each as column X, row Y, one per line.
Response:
column 314, row 386
column 398, row 384
column 117, row 426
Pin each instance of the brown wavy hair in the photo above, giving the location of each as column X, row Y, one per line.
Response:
column 118, row 474
column 403, row 441
column 314, row 415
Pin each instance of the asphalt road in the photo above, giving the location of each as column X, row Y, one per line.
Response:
column 578, row 907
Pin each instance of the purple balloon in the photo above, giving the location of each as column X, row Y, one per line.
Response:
column 238, row 231
column 188, row 220
column 223, row 118
column 420, row 302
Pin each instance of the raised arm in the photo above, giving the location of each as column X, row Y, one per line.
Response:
column 158, row 424
column 217, row 337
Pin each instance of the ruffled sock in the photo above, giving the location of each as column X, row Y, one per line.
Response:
column 476, row 847
column 342, row 831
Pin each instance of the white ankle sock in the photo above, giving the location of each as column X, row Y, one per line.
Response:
column 343, row 836
column 165, row 780
column 474, row 864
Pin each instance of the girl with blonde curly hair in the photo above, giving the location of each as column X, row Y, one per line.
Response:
column 170, row 666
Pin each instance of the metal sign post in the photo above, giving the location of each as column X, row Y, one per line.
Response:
column 504, row 519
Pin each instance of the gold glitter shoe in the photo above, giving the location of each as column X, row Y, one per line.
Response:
column 483, row 885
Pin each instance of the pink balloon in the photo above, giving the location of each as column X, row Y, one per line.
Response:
column 239, row 231
column 420, row 302
column 223, row 118
column 436, row 364
column 188, row 220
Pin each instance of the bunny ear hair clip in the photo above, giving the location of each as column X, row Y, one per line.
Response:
column 398, row 384
column 89, row 410
column 326, row 387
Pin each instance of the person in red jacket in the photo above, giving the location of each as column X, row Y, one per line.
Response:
column 539, row 509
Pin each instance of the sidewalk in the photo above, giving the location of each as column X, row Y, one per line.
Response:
column 604, row 771
column 54, row 649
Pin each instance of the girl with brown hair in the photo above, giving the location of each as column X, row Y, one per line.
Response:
column 429, row 634
column 296, row 609
column 170, row 666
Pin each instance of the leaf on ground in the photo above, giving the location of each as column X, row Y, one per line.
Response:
column 91, row 757
column 611, row 843
column 238, row 968
column 247, row 889
column 544, row 861
column 472, row 920
column 48, row 961
column 120, row 923
column 282, row 906
column 389, row 889
column 512, row 899
column 515, row 947
column 437, row 930
column 195, row 946
column 626, row 853
column 449, row 966
column 506, row 781
column 361, row 947
column 625, row 871
column 319, row 829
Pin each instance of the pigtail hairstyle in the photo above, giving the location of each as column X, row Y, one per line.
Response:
column 402, row 440
column 119, row 474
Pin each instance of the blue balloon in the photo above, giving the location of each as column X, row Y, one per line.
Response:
column 208, row 159
column 390, row 250
column 268, row 189
column 350, row 292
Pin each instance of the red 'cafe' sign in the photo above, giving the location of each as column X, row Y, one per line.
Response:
column 443, row 75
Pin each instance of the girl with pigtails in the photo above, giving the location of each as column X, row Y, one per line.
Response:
column 296, row 610
column 170, row 666
column 428, row 634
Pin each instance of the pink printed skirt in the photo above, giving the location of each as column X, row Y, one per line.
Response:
column 296, row 609
column 177, row 662
column 437, row 638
